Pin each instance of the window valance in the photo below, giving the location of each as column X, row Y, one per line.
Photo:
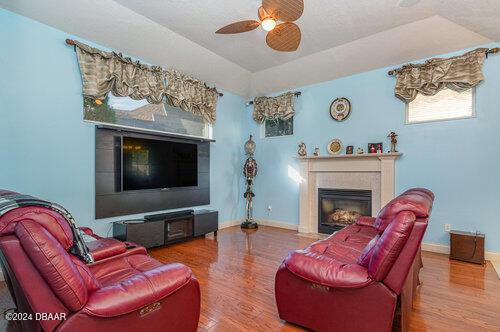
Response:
column 103, row 72
column 273, row 108
column 191, row 95
column 458, row 73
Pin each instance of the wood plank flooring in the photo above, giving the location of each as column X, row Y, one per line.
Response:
column 236, row 274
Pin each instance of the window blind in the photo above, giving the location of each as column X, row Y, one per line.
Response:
column 445, row 105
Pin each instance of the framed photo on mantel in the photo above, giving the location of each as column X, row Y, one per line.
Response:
column 375, row 147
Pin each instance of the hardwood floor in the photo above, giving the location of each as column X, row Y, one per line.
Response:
column 236, row 274
column 237, row 284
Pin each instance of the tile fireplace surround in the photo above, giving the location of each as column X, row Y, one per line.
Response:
column 373, row 172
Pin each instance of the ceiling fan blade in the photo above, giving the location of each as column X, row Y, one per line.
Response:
column 285, row 37
column 284, row 10
column 262, row 13
column 238, row 27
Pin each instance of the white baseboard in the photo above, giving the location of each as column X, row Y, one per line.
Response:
column 278, row 224
column 436, row 247
column 264, row 222
column 444, row 249
column 229, row 223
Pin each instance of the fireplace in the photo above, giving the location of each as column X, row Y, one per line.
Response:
column 338, row 208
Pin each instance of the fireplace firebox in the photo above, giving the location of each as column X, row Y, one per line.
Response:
column 338, row 208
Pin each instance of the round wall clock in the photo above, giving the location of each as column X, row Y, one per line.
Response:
column 340, row 109
column 335, row 146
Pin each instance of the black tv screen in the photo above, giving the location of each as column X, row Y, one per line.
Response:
column 151, row 164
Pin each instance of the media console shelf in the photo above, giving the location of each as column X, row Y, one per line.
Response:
column 167, row 228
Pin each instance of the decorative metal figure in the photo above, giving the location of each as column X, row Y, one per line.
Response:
column 249, row 171
column 302, row 152
column 393, row 136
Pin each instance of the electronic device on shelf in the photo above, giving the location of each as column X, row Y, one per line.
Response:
column 133, row 221
column 168, row 215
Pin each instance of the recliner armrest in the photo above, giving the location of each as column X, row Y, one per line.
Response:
column 88, row 231
column 138, row 291
column 323, row 270
column 365, row 221
column 106, row 247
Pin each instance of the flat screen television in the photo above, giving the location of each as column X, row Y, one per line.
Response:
column 153, row 164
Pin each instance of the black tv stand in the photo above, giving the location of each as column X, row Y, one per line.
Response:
column 167, row 228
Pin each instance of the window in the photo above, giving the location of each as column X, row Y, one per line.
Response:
column 445, row 105
column 126, row 112
column 278, row 127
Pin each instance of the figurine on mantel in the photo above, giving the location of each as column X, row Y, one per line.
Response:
column 302, row 150
column 393, row 136
column 360, row 151
column 316, row 152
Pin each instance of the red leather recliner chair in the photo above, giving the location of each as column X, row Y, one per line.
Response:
column 123, row 290
column 351, row 280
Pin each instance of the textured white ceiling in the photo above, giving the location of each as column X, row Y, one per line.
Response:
column 324, row 24
column 339, row 37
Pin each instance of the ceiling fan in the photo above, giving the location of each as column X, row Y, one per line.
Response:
column 285, row 36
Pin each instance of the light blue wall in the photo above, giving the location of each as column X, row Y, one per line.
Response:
column 458, row 160
column 47, row 150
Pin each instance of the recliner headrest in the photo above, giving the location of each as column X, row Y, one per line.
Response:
column 418, row 201
column 52, row 221
column 421, row 191
column 53, row 263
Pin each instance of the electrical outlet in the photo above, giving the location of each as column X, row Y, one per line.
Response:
column 447, row 227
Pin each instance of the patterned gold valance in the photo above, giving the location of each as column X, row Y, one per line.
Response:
column 280, row 107
column 458, row 73
column 103, row 72
column 191, row 95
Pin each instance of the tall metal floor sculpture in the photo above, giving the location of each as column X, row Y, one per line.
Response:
column 250, row 171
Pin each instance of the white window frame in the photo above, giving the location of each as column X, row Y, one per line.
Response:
column 263, row 130
column 473, row 115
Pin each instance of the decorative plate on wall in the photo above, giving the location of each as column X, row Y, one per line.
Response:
column 340, row 109
column 335, row 146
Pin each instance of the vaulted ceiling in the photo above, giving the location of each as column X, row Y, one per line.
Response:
column 325, row 23
column 339, row 37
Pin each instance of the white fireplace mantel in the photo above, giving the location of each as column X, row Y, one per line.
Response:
column 375, row 172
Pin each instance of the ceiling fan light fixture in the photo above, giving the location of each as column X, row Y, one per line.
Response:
column 268, row 24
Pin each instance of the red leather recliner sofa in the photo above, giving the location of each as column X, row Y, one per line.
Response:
column 351, row 280
column 123, row 290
